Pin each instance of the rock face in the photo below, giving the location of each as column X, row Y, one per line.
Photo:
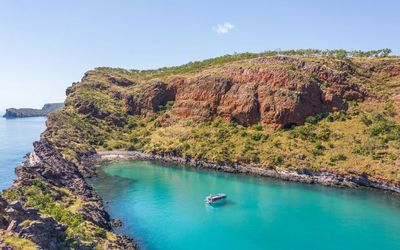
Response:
column 30, row 224
column 46, row 164
column 271, row 96
column 154, row 96
column 109, row 104
column 28, row 112
column 276, row 92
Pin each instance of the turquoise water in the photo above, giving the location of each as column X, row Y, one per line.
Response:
column 163, row 208
column 16, row 138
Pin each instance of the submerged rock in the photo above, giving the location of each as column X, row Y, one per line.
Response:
column 116, row 223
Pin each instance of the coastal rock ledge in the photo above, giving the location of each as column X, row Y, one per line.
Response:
column 59, row 183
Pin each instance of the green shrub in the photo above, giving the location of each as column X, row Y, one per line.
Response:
column 257, row 127
column 338, row 157
column 275, row 160
column 392, row 157
column 337, row 116
column 193, row 67
column 364, row 119
column 216, row 123
column 223, row 155
column 39, row 184
column 100, row 232
column 185, row 146
column 12, row 194
column 167, row 106
column 255, row 158
column 370, row 148
column 43, row 201
column 243, row 133
column 157, row 124
column 259, row 136
column 390, row 110
column 393, row 135
column 318, row 149
column 315, row 119
column 222, row 135
column 379, row 129
column 304, row 132
column 314, row 76
column 324, row 134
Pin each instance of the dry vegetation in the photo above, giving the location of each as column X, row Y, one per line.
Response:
column 363, row 140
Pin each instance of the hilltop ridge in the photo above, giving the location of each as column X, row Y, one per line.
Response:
column 317, row 117
column 316, row 112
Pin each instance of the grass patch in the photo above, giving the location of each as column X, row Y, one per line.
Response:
column 19, row 243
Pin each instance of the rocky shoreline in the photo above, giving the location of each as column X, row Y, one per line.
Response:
column 300, row 175
column 227, row 104
column 45, row 165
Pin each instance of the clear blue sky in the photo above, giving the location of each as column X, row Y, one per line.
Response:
column 46, row 45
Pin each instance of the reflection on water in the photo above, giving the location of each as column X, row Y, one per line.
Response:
column 119, row 185
column 223, row 203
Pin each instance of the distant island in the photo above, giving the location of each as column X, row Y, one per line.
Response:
column 29, row 112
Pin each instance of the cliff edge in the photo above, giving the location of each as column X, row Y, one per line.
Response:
column 303, row 116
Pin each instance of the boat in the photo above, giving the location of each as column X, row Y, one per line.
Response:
column 215, row 198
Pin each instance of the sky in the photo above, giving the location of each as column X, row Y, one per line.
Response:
column 47, row 45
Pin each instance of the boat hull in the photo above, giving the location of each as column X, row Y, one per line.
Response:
column 211, row 199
